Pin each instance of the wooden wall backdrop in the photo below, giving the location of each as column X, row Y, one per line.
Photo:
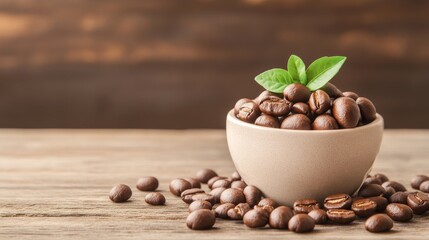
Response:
column 183, row 64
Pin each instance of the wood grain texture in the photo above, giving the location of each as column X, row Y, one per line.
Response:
column 54, row 184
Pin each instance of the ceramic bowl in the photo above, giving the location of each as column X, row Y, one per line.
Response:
column 288, row 165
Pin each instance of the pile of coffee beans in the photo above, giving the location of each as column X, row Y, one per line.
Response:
column 297, row 108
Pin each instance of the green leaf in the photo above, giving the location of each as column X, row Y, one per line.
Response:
column 296, row 68
column 274, row 80
column 322, row 70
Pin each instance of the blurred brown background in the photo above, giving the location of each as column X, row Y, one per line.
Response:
column 183, row 64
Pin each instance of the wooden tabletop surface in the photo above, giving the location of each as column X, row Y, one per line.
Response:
column 54, row 184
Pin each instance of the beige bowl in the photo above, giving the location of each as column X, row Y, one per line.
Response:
column 288, row 165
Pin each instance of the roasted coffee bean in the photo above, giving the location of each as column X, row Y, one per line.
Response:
column 324, row 122
column 371, row 190
column 378, row 223
column 389, row 191
column 267, row 121
column 256, row 218
column 235, row 176
column 397, row 186
column 399, row 197
column 202, row 196
column 201, row 219
column 239, row 184
column 216, row 193
column 268, row 202
column 239, row 103
column 332, row 90
column 417, row 180
column 372, row 180
column 301, row 108
column 214, row 179
column 419, row 202
column 248, row 112
column 424, row 187
column 297, row 122
column 225, row 183
column 232, row 195
column 301, row 223
column 296, row 92
column 381, row 202
column 221, row 211
column 200, row 204
column 305, row 205
column 364, row 207
column 352, row 95
column 346, row 112
column 336, row 201
column 319, row 102
column 279, row 217
column 319, row 216
column 383, row 178
column 399, row 212
column 367, row 109
column 266, row 94
column 155, row 198
column 120, row 193
column 194, row 182
column 341, row 216
column 252, row 194
column 147, row 183
column 204, row 175
column 275, row 106
column 238, row 211
column 266, row 208
column 187, row 194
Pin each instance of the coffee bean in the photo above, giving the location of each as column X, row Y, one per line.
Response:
column 417, row 180
column 319, row 102
column 332, row 90
column 319, row 216
column 371, row 190
column 239, row 184
column 346, row 112
column 214, row 179
column 203, row 196
column 204, row 175
column 275, row 106
column 301, row 223
column 341, row 216
column 364, row 207
column 305, row 205
column 381, row 202
column 200, row 204
column 399, row 212
column 238, row 211
column 379, row 223
column 324, row 122
column 266, row 94
column 235, row 176
column 252, row 194
column 297, row 122
column 188, row 193
column 424, row 187
column 225, row 183
column 296, row 92
column 279, row 217
column 216, row 193
column 336, row 201
column 351, row 95
column 200, row 219
column 383, row 178
column 256, row 218
column 389, row 191
column 239, row 103
column 155, row 198
column 367, row 109
column 399, row 197
column 194, row 182
column 268, row 202
column 248, row 112
column 147, row 183
column 221, row 211
column 120, row 193
column 397, row 186
column 232, row 195
column 301, row 108
column 372, row 180
column 267, row 121
column 419, row 202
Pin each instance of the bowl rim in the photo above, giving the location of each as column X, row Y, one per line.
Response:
column 231, row 118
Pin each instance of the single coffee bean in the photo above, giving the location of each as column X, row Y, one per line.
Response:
column 279, row 217
column 378, row 223
column 381, row 202
column 346, row 112
column 188, row 193
column 216, row 193
column 235, row 176
column 301, row 223
column 324, row 122
column 372, row 180
column 252, row 194
column 383, row 178
column 256, row 218
column 397, row 186
column 200, row 204
column 399, row 212
column 204, row 175
column 364, row 207
column 155, row 198
column 239, row 103
column 194, row 182
column 296, row 92
column 424, row 187
column 417, row 180
column 120, row 193
column 341, row 216
column 268, row 202
column 238, row 211
column 319, row 102
column 352, row 95
column 336, row 201
column 266, row 94
column 367, row 109
column 147, row 183
column 232, row 195
column 297, row 122
column 389, row 192
column 267, row 121
column 399, row 197
column 203, row 196
column 419, row 202
column 248, row 112
column 214, row 179
column 275, row 106
column 319, row 216
column 225, row 183
column 239, row 184
column 305, row 205
column 221, row 211
column 332, row 90
column 371, row 190
column 201, row 219
column 301, row 108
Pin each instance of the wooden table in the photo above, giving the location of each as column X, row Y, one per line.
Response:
column 54, row 184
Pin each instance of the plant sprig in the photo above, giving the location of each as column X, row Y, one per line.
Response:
column 320, row 72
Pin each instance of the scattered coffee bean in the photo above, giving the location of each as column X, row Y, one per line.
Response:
column 268, row 202
column 120, row 193
column 372, row 180
column 419, row 202
column 346, row 112
column 232, row 195
column 216, row 193
column 381, row 202
column 371, row 190
column 319, row 216
column 239, row 184
column 194, row 182
column 399, row 197
column 248, row 112
column 252, row 194
column 367, row 109
column 275, row 106
column 424, row 187
column 256, row 218
column 225, row 183
column 239, row 103
column 238, row 211
column 352, row 95
column 379, row 223
column 200, row 204
column 235, row 176
column 267, row 121
column 336, row 201
column 279, row 217
column 155, row 198
column 417, row 180
column 301, row 223
column 188, row 193
column 324, row 122
column 395, row 185
column 297, row 122
column 204, row 175
column 399, row 212
column 201, row 219
column 383, row 178
column 296, row 92
column 364, row 207
column 305, row 205
column 221, row 211
column 332, row 90
column 389, row 191
column 203, row 196
column 301, row 108
column 319, row 102
column 214, row 179
column 341, row 216
column 147, row 183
